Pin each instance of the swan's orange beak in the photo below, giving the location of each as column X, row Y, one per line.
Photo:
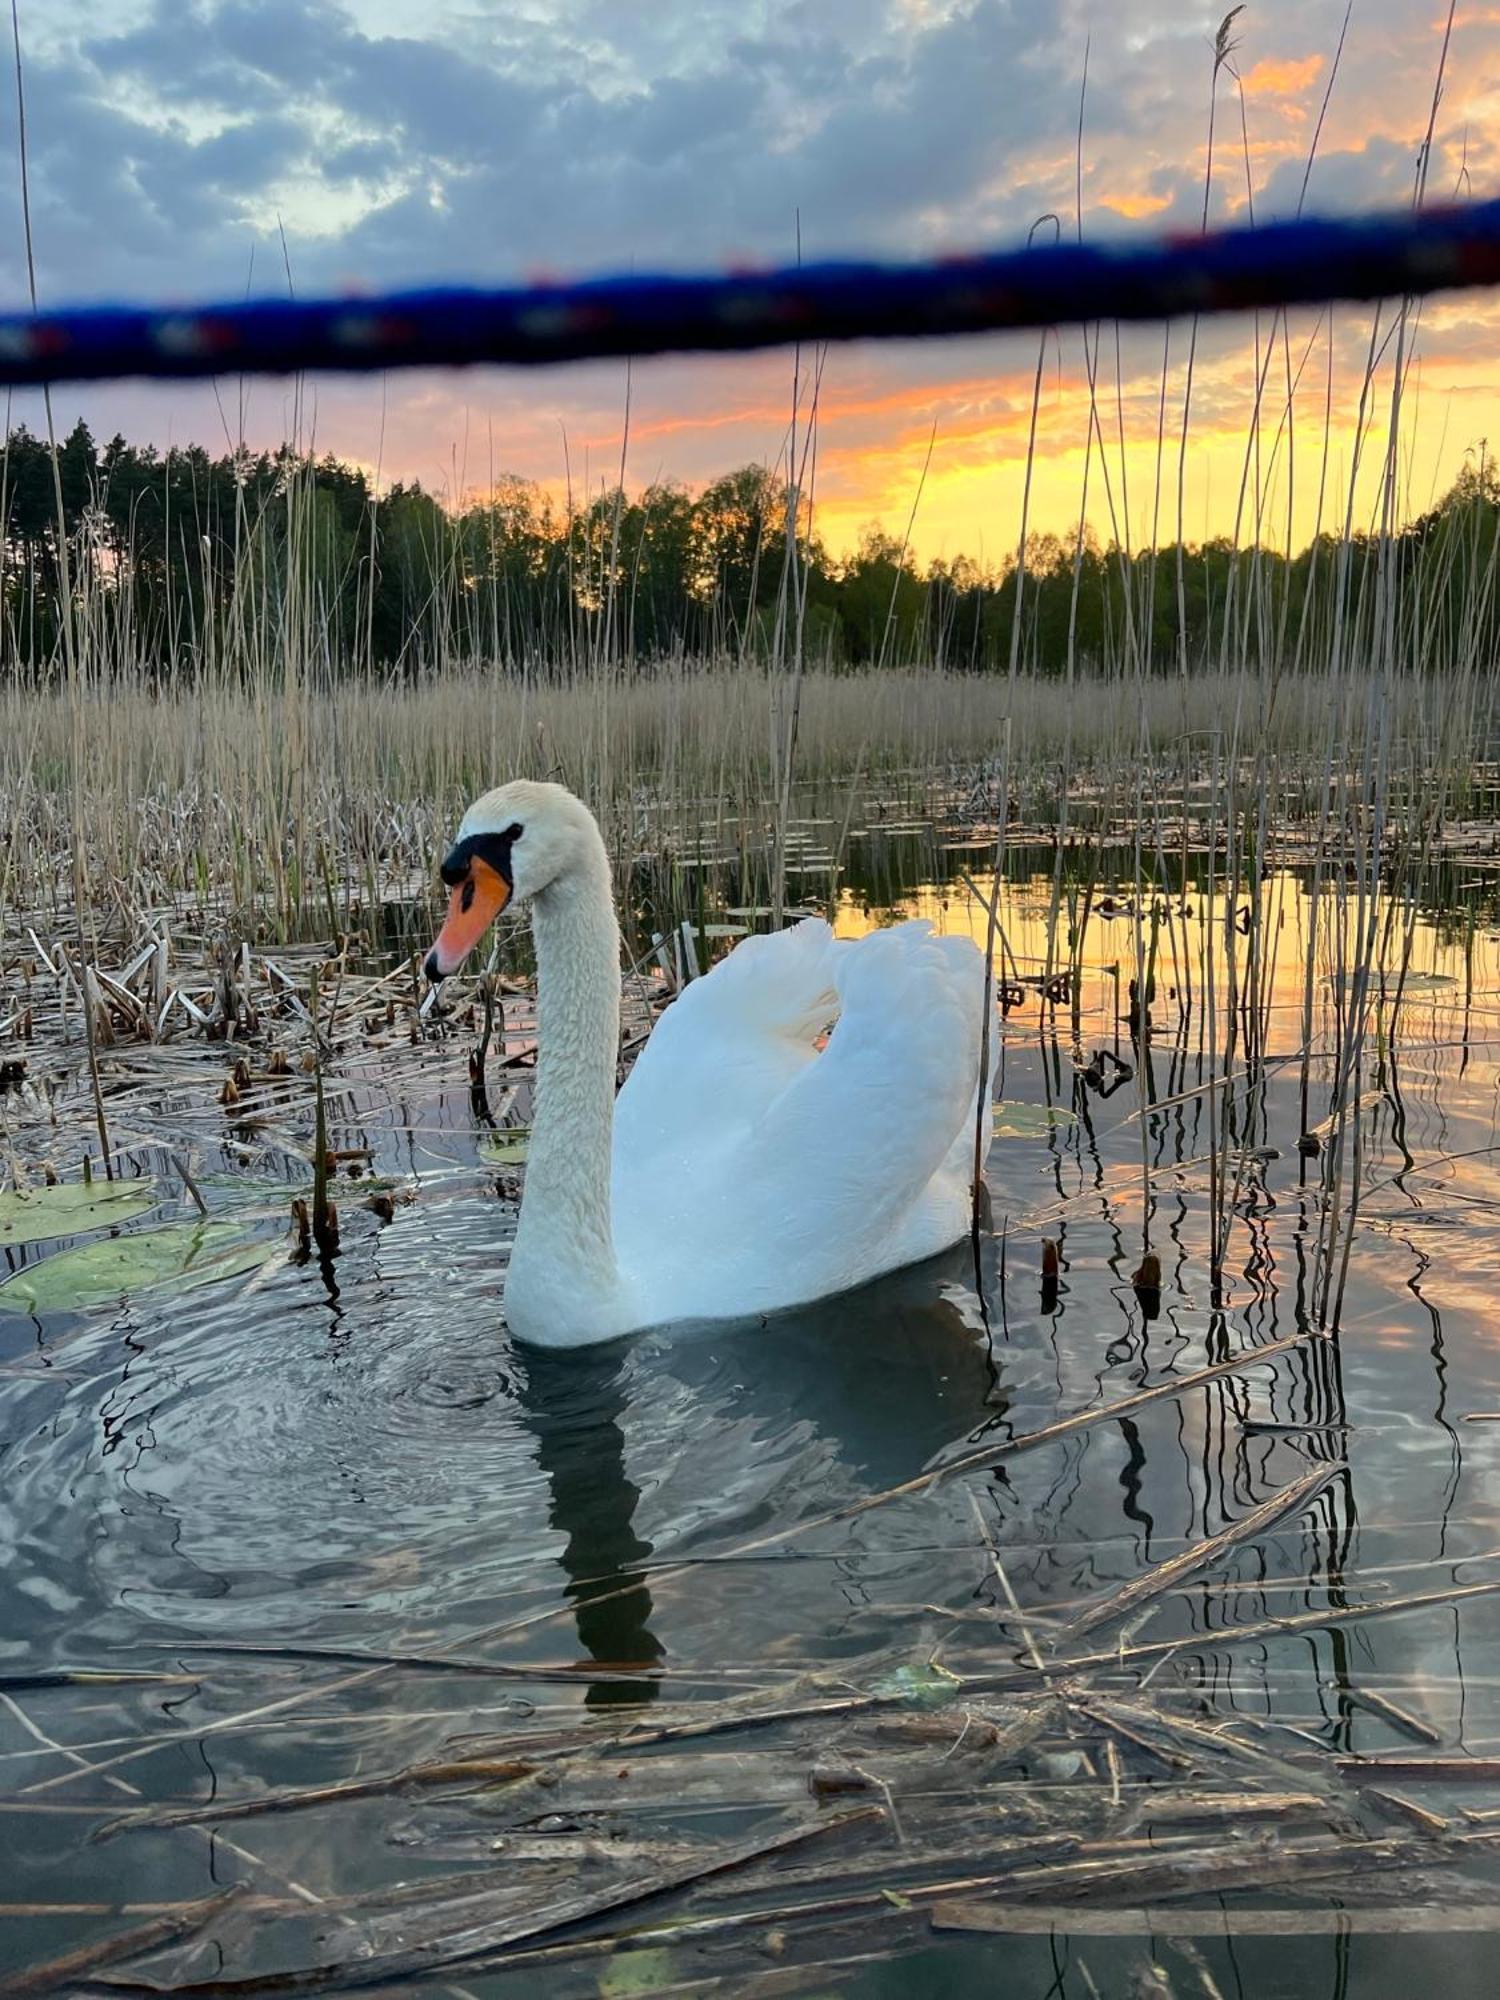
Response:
column 475, row 903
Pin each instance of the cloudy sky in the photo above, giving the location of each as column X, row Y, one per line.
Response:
column 174, row 145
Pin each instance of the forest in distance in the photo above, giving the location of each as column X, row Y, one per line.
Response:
column 180, row 560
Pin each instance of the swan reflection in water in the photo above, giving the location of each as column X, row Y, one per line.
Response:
column 693, row 1441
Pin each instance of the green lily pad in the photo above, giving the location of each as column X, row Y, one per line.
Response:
column 1031, row 1121
column 1428, row 982
column 919, row 1687
column 72, row 1208
column 632, row 1973
column 505, row 1147
column 182, row 1255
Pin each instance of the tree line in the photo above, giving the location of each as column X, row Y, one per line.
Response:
column 175, row 560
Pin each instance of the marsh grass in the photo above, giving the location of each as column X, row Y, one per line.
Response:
column 255, row 796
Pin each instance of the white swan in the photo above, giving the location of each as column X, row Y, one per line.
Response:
column 740, row 1170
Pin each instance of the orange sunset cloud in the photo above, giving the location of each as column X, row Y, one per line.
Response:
column 1135, row 207
column 1273, row 77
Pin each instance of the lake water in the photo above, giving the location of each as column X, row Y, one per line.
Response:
column 259, row 1487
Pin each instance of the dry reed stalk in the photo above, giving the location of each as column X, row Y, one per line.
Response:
column 457, row 1772
column 73, row 1967
column 1145, row 1589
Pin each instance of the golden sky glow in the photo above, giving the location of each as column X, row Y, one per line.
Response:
column 862, row 139
column 880, row 410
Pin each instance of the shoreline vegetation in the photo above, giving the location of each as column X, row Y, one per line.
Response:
column 180, row 564
column 273, row 802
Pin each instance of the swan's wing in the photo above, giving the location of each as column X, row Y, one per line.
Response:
column 847, row 1149
column 727, row 1047
column 752, row 1171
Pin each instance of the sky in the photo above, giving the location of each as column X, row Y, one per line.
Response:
column 202, row 148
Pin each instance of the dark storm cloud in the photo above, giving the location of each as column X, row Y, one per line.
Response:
column 931, row 132
column 398, row 142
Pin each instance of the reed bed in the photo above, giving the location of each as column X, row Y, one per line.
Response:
column 253, row 796
column 171, row 849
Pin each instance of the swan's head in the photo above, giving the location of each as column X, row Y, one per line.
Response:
column 513, row 843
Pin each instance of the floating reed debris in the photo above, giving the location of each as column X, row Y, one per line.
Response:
column 1341, row 1921
column 1260, row 1628
column 1407, row 1811
column 1400, row 1719
column 1061, row 1797
column 83, row 1677
column 472, row 1921
column 1142, row 1590
column 445, row 1772
column 1455, row 1770
column 84, row 1962
column 1124, row 1406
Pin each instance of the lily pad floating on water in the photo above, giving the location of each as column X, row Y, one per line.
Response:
column 182, row 1255
column 506, row 1146
column 71, row 1208
column 1031, row 1121
column 925, row 1686
column 636, row 1973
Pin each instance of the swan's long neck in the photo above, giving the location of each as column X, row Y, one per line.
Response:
column 563, row 1266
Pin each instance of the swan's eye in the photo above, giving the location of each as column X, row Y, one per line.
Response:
column 512, row 833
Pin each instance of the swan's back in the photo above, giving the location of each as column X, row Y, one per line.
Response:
column 754, row 1171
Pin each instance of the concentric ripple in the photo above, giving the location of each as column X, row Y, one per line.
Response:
column 373, row 1461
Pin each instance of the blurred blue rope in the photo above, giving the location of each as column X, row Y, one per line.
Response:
column 1232, row 270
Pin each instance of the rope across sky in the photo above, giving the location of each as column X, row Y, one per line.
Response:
column 1292, row 263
